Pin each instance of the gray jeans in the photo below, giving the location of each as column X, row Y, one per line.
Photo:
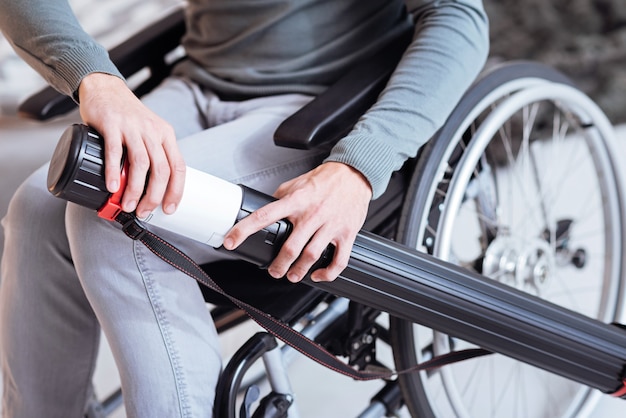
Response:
column 66, row 273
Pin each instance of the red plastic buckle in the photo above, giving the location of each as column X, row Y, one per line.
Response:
column 621, row 391
column 113, row 206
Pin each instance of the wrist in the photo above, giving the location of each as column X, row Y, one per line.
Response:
column 94, row 83
column 357, row 177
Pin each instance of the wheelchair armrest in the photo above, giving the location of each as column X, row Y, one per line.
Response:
column 149, row 48
column 330, row 116
column 46, row 104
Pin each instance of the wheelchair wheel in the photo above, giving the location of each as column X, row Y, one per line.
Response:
column 521, row 186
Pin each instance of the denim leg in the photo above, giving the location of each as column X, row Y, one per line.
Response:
column 48, row 332
column 179, row 102
column 154, row 317
column 157, row 324
column 49, row 335
column 239, row 146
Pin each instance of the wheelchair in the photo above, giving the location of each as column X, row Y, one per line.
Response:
column 520, row 185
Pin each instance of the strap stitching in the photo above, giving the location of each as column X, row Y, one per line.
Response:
column 133, row 228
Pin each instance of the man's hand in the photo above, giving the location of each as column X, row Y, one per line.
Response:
column 325, row 205
column 110, row 107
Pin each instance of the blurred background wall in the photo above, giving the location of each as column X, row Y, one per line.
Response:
column 584, row 38
column 109, row 21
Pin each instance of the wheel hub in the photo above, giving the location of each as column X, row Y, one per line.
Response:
column 528, row 265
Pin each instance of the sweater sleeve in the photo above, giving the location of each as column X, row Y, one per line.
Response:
column 448, row 50
column 47, row 35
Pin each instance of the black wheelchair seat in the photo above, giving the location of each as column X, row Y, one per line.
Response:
column 279, row 298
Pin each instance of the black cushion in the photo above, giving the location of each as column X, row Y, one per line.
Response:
column 282, row 299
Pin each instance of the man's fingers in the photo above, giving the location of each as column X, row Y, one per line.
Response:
column 158, row 177
column 297, row 255
column 139, row 164
column 108, row 105
column 153, row 176
column 312, row 253
column 338, row 264
column 175, row 186
column 113, row 152
column 325, row 205
column 256, row 221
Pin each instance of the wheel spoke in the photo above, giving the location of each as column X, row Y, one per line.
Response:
column 530, row 202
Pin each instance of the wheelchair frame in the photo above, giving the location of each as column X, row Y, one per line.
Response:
column 382, row 276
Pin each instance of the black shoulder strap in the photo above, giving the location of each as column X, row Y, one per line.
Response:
column 173, row 256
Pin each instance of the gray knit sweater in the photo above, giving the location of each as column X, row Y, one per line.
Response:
column 248, row 48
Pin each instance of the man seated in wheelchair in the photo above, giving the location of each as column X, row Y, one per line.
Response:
column 67, row 274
